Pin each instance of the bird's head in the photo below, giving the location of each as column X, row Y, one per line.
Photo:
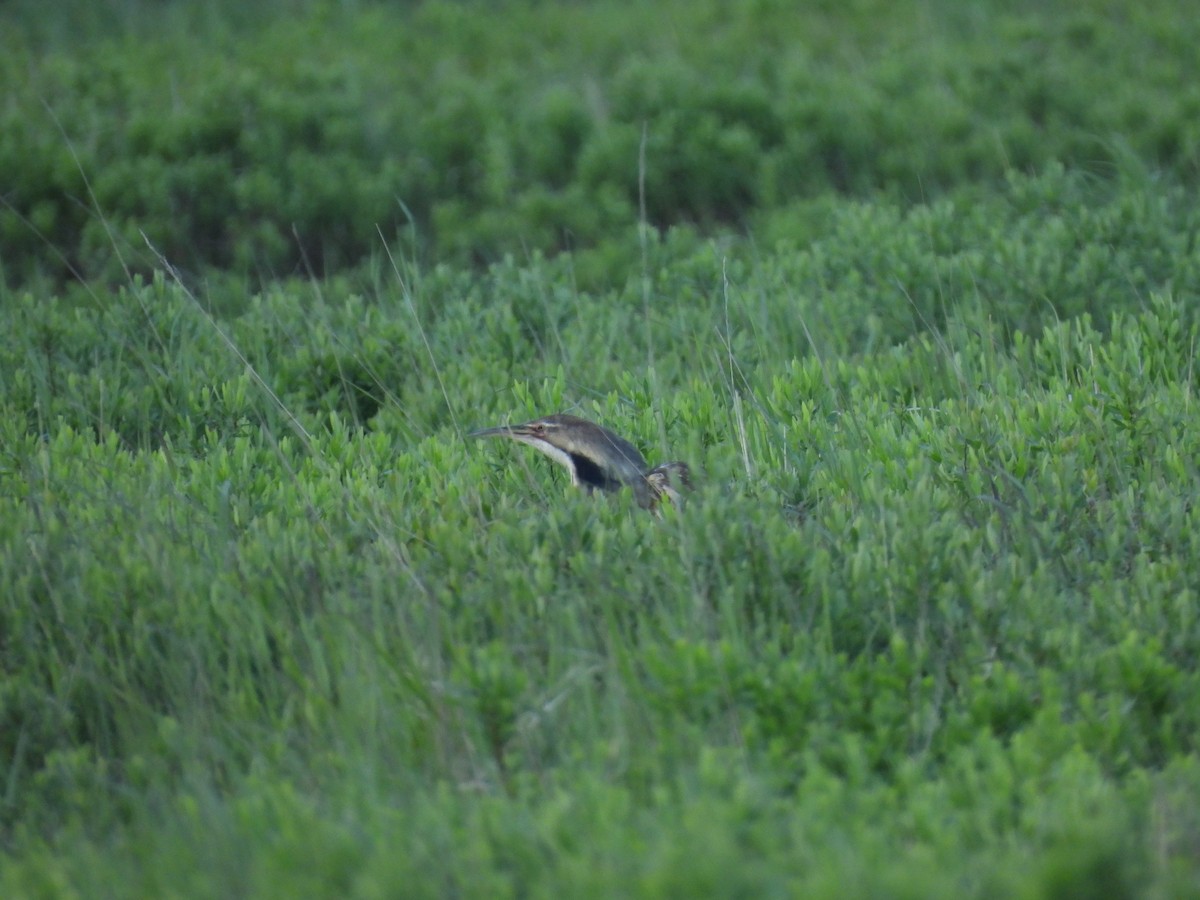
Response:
column 595, row 457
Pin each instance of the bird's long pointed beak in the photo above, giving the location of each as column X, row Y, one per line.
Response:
column 499, row 430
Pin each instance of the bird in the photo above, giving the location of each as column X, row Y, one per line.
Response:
column 598, row 459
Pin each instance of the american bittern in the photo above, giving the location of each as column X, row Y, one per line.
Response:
column 598, row 459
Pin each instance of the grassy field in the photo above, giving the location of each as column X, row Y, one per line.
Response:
column 912, row 287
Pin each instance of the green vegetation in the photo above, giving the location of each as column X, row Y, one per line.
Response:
column 292, row 143
column 912, row 286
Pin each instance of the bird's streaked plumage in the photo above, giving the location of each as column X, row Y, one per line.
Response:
column 598, row 459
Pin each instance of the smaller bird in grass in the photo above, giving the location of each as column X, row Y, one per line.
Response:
column 598, row 459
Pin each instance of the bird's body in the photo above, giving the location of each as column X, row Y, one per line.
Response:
column 597, row 458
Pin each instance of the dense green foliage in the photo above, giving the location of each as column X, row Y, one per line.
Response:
column 471, row 130
column 914, row 292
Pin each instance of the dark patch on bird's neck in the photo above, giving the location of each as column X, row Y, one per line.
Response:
column 590, row 475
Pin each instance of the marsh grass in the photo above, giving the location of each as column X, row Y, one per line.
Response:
column 927, row 626
column 935, row 596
